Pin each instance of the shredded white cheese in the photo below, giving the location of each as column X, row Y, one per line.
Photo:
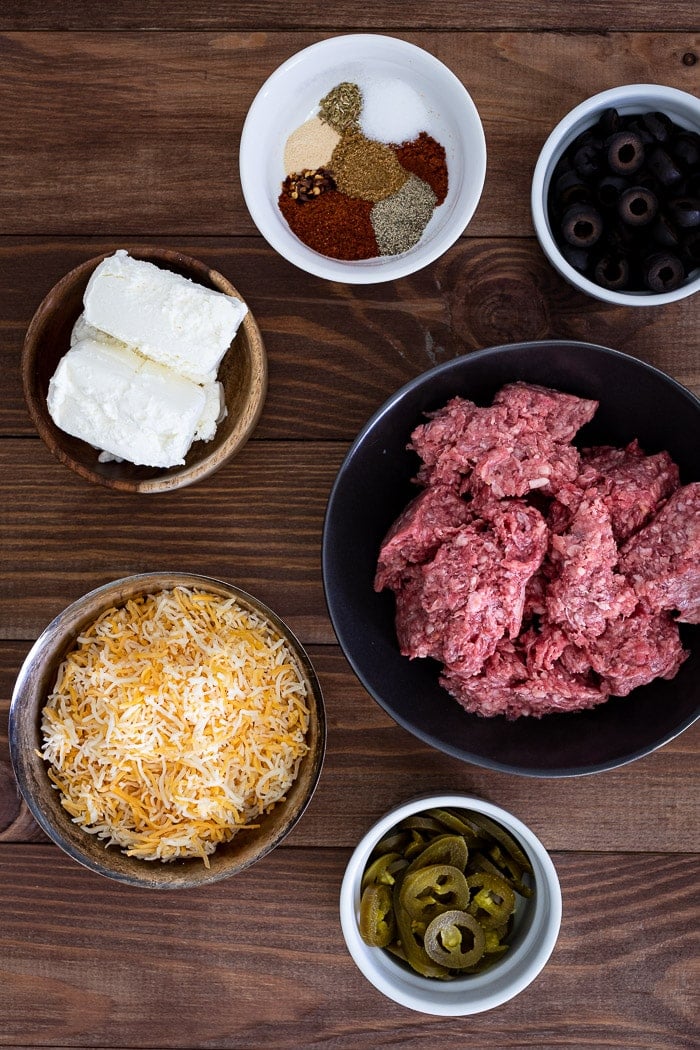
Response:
column 176, row 720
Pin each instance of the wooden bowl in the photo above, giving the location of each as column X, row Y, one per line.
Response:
column 243, row 373
column 35, row 681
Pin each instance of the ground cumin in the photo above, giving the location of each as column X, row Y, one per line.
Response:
column 425, row 158
column 366, row 169
column 333, row 224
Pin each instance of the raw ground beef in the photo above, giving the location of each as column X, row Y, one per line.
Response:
column 457, row 605
column 437, row 442
column 662, row 561
column 506, row 686
column 428, row 520
column 517, row 445
column 586, row 592
column 631, row 484
column 633, row 651
column 542, row 579
column 561, row 416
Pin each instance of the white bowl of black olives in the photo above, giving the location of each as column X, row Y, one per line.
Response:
column 616, row 195
column 450, row 905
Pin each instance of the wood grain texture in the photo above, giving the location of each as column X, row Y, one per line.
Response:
column 120, row 127
column 256, row 523
column 147, row 144
column 362, row 344
column 372, row 764
column 345, row 15
column 224, row 967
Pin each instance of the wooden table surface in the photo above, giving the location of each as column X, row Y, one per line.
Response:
column 119, row 126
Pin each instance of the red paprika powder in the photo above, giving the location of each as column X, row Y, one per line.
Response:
column 425, row 158
column 333, row 224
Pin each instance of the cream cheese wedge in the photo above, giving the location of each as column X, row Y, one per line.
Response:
column 171, row 320
column 214, row 405
column 126, row 405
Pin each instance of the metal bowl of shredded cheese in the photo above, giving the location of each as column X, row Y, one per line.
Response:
column 167, row 730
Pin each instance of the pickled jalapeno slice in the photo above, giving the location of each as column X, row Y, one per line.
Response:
column 411, row 944
column 445, row 849
column 383, row 869
column 455, row 939
column 439, row 892
column 492, row 902
column 377, row 922
column 426, row 892
column 504, row 838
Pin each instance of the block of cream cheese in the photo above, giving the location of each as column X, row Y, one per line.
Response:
column 169, row 318
column 214, row 404
column 82, row 330
column 124, row 404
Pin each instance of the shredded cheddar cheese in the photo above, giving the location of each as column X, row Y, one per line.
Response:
column 176, row 720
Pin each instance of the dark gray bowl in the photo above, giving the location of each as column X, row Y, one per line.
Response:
column 373, row 486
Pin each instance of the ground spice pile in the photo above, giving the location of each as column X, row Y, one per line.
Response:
column 350, row 196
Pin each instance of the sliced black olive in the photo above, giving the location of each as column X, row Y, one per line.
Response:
column 589, row 158
column 663, row 272
column 637, row 206
column 663, row 232
column 625, row 153
column 664, row 168
column 569, row 189
column 646, row 179
column 690, row 244
column 658, row 125
column 582, row 225
column 623, row 238
column 582, row 139
column 635, row 124
column 609, row 189
column 609, row 122
column 576, row 257
column 685, row 211
column 612, row 271
column 685, row 148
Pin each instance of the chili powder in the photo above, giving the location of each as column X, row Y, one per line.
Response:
column 333, row 224
column 425, row 157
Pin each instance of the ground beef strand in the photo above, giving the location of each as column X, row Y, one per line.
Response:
column 458, row 606
column 662, row 560
column 428, row 520
column 587, row 592
column 631, row 485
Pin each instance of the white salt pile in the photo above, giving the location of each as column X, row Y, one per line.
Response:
column 392, row 111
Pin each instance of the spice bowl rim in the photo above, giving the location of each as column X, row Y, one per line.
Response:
column 339, row 52
column 532, row 948
column 627, row 98
column 32, row 685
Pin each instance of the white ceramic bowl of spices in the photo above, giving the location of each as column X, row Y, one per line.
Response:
column 362, row 159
